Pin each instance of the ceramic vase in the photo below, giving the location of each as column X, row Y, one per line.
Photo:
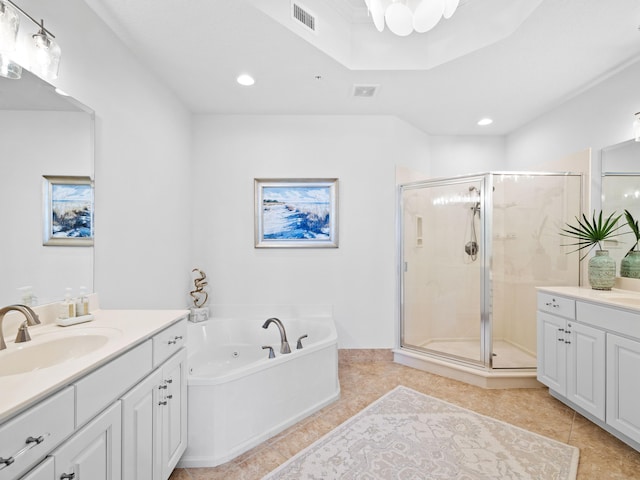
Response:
column 602, row 271
column 630, row 265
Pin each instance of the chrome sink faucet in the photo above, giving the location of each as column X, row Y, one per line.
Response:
column 23, row 334
column 284, row 344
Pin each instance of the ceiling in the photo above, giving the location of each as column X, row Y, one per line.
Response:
column 477, row 64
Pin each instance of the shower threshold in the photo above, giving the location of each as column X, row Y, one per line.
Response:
column 506, row 354
column 474, row 375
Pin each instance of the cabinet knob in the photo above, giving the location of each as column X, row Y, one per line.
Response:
column 561, row 329
column 172, row 342
column 567, row 341
column 561, row 339
column 67, row 475
column 169, row 397
column 178, row 337
column 162, row 403
column 168, row 380
column 162, row 387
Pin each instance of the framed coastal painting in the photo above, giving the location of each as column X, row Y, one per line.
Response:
column 67, row 211
column 296, row 213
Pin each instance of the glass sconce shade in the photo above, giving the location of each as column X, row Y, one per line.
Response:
column 45, row 56
column 9, row 23
column 9, row 68
column 636, row 128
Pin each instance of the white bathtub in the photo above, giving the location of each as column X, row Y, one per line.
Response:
column 238, row 396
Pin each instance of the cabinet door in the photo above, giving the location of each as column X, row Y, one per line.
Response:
column 623, row 388
column 94, row 452
column 552, row 361
column 44, row 471
column 140, row 426
column 173, row 409
column 586, row 368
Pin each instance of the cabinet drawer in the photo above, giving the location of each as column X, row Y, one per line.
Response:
column 169, row 341
column 610, row 319
column 102, row 387
column 564, row 307
column 52, row 420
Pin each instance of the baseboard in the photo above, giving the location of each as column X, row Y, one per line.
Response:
column 362, row 355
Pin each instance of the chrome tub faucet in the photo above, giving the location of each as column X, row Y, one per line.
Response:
column 284, row 344
column 23, row 333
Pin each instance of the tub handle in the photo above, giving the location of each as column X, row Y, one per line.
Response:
column 299, row 344
column 271, row 352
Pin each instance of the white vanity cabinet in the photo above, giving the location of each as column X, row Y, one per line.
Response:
column 125, row 419
column 571, row 356
column 155, row 422
column 94, row 452
column 589, row 357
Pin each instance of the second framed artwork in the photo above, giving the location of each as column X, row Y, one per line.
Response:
column 68, row 211
column 296, row 213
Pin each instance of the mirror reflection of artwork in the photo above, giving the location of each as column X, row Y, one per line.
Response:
column 296, row 213
column 68, row 211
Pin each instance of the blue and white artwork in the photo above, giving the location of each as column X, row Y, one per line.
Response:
column 296, row 213
column 71, row 211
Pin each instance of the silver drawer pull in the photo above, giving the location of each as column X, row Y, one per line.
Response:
column 30, row 443
column 172, row 342
column 67, row 475
column 178, row 337
column 169, row 397
column 162, row 387
column 168, row 380
column 162, row 403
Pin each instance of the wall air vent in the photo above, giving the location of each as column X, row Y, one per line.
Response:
column 366, row 91
column 304, row 17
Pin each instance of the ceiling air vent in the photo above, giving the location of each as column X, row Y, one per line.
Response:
column 304, row 17
column 365, row 90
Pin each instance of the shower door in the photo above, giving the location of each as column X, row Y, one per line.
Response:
column 473, row 251
column 443, row 229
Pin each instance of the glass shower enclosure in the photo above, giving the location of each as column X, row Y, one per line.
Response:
column 472, row 251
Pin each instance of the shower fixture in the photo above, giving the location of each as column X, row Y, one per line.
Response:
column 472, row 248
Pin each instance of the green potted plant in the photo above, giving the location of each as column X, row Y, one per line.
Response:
column 589, row 234
column 630, row 264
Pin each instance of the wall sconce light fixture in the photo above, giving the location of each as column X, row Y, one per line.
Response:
column 43, row 53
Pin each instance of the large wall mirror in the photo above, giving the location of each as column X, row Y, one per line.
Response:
column 621, row 189
column 42, row 133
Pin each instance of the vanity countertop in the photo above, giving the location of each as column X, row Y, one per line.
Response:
column 627, row 299
column 125, row 329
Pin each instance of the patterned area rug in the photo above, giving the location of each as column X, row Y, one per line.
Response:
column 407, row 435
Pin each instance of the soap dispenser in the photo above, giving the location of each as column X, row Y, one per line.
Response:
column 82, row 303
column 68, row 309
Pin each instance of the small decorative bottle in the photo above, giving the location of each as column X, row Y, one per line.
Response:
column 69, row 304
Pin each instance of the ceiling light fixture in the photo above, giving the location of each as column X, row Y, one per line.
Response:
column 43, row 54
column 484, row 122
column 245, row 80
column 404, row 16
column 636, row 127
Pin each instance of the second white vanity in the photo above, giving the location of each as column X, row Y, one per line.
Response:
column 112, row 407
column 589, row 355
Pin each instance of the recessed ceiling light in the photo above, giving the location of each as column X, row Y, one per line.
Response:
column 245, row 80
column 484, row 122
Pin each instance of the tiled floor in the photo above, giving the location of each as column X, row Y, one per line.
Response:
column 602, row 456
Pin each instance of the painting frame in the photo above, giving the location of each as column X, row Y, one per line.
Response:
column 68, row 210
column 296, row 213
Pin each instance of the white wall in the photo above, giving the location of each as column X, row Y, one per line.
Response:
column 143, row 139
column 461, row 155
column 600, row 116
column 359, row 277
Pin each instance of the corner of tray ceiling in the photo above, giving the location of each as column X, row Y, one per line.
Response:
column 342, row 31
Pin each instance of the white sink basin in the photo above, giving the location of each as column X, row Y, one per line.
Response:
column 52, row 349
